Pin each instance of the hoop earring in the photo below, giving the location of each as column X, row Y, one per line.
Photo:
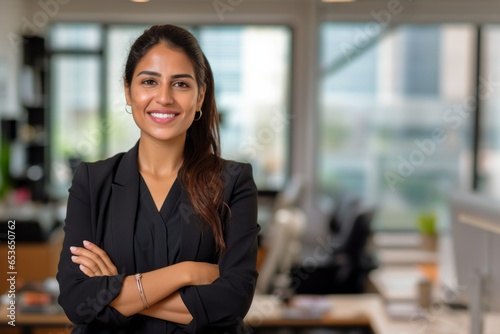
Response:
column 201, row 114
column 126, row 110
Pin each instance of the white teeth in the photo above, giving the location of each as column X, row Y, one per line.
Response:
column 159, row 115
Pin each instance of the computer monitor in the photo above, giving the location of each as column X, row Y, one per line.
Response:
column 282, row 244
column 476, row 243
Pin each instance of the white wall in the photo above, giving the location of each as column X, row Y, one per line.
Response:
column 11, row 14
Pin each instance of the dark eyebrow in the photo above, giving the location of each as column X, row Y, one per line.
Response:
column 175, row 76
column 153, row 73
column 182, row 75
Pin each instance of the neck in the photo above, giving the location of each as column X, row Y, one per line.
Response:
column 160, row 158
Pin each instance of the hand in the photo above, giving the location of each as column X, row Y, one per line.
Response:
column 93, row 260
column 202, row 273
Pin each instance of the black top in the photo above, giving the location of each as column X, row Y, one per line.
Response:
column 105, row 206
column 156, row 245
column 157, row 233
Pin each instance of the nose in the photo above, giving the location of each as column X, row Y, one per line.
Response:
column 165, row 96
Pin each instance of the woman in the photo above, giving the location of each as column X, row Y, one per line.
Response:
column 163, row 238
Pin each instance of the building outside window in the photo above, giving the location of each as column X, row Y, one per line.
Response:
column 391, row 124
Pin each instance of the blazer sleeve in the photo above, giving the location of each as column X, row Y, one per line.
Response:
column 84, row 299
column 224, row 303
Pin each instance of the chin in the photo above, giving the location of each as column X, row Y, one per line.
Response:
column 170, row 137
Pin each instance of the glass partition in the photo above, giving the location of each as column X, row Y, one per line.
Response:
column 394, row 116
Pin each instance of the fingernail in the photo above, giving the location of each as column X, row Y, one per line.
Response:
column 73, row 258
column 72, row 248
column 86, row 243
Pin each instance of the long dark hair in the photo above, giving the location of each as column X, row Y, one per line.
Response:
column 201, row 172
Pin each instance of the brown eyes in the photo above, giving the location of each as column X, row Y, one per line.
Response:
column 150, row 82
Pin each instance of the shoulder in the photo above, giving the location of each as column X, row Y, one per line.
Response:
column 234, row 168
column 237, row 177
column 106, row 165
column 98, row 171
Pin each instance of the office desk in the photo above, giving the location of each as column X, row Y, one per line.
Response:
column 35, row 323
column 405, row 257
column 266, row 312
column 402, row 266
column 397, row 283
column 388, row 240
column 367, row 310
column 344, row 311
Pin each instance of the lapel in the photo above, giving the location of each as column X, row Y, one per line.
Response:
column 123, row 209
column 191, row 229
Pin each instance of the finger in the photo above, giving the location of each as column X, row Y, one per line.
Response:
column 87, row 271
column 102, row 254
column 88, row 263
column 97, row 250
column 92, row 265
column 82, row 252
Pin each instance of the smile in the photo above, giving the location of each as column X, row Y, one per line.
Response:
column 160, row 115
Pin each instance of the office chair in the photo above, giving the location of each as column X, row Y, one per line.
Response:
column 349, row 265
column 351, row 256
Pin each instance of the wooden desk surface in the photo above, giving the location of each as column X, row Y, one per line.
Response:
column 356, row 310
column 36, row 319
column 267, row 310
column 369, row 309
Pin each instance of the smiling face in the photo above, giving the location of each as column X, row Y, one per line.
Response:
column 164, row 94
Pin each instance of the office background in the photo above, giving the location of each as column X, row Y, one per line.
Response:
column 339, row 93
column 394, row 101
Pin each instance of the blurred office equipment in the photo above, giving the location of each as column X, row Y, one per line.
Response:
column 280, row 237
column 282, row 248
column 24, row 137
column 349, row 262
column 36, row 129
column 272, row 201
column 291, row 195
column 476, row 242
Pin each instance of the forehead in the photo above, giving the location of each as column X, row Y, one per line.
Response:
column 164, row 59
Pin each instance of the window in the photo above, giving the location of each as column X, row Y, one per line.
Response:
column 394, row 110
column 75, row 106
column 489, row 151
column 84, row 37
column 252, row 91
column 252, row 96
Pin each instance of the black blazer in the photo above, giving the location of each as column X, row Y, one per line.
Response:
column 104, row 197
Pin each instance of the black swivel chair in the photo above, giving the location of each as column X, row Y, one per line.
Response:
column 347, row 269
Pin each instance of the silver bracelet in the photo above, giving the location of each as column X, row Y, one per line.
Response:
column 141, row 290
